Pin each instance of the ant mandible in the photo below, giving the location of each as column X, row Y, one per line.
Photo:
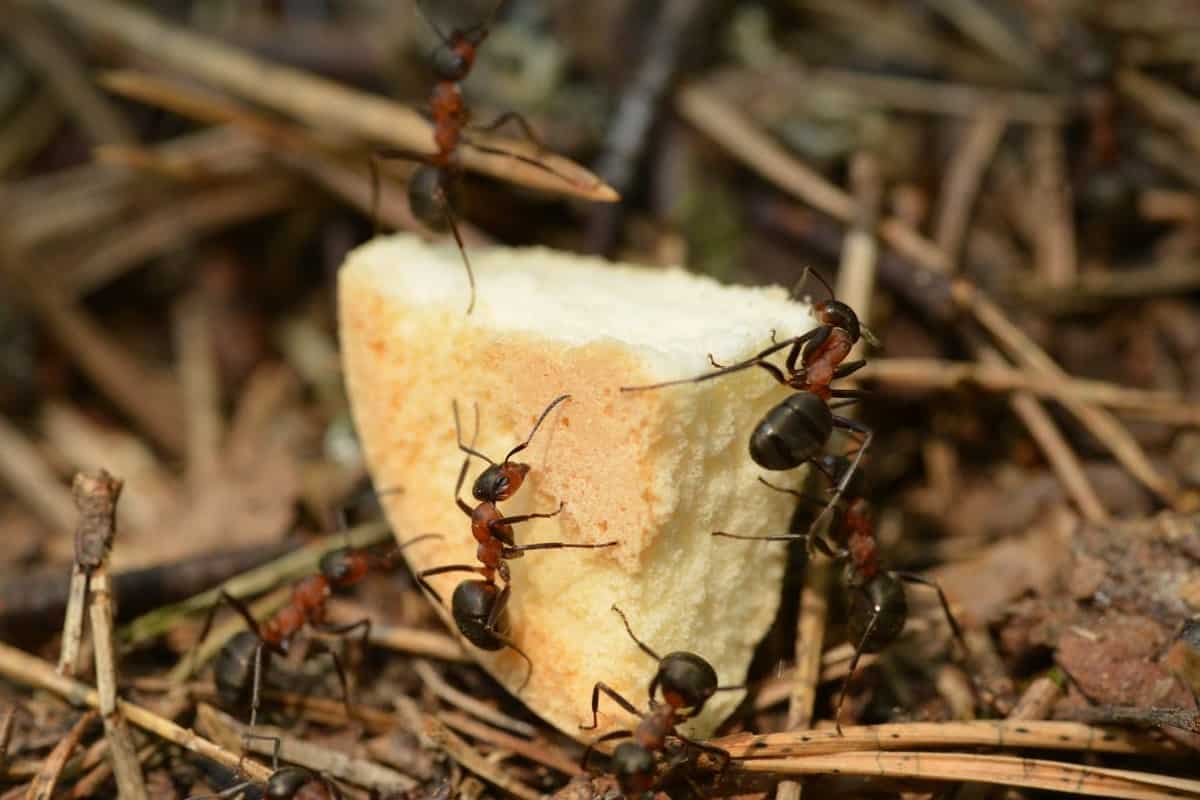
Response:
column 242, row 658
column 433, row 186
column 477, row 605
column 796, row 430
column 878, row 607
column 687, row 682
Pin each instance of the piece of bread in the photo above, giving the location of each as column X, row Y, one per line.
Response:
column 656, row 471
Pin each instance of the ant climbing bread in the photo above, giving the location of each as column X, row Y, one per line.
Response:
column 687, row 682
column 478, row 605
column 433, row 186
column 878, row 604
column 242, row 661
column 284, row 783
column 797, row 430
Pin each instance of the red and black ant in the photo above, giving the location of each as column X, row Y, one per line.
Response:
column 687, row 682
column 478, row 605
column 796, row 430
column 240, row 666
column 878, row 605
column 433, row 186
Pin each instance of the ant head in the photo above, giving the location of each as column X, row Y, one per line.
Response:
column 285, row 783
column 499, row 481
column 471, row 606
column 687, row 681
column 634, row 767
column 839, row 315
column 336, row 565
column 882, row 601
column 454, row 59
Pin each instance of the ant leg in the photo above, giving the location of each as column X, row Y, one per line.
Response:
column 520, row 121
column 868, row 435
column 820, row 334
column 452, row 222
column 932, row 584
column 855, row 394
column 232, row 791
column 849, row 368
column 616, row 698
column 608, row 737
column 645, row 648
column 515, row 551
column 741, row 365
column 339, row 667
column 774, row 371
column 421, row 576
column 722, row 755
column 496, row 523
column 858, row 651
column 234, row 603
column 256, row 687
column 493, row 619
column 378, row 156
column 545, row 413
column 275, row 741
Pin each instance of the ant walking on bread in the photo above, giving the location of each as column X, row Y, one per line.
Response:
column 687, row 682
column 241, row 664
column 433, row 186
column 796, row 430
column 878, row 604
column 478, row 605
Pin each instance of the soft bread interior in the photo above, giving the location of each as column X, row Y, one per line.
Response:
column 656, row 471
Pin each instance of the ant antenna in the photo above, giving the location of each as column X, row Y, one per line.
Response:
column 561, row 398
column 429, row 21
column 486, row 26
column 471, row 451
column 644, row 647
column 804, row 279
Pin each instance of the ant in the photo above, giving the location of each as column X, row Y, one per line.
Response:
column 796, row 430
column 687, row 682
column 477, row 605
column 284, row 783
column 241, row 660
column 433, row 186
column 878, row 609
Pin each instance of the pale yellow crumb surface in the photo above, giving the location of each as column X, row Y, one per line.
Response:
column 655, row 471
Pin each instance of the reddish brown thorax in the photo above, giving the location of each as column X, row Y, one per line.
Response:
column 481, row 524
column 449, row 118
column 819, row 365
column 652, row 731
column 860, row 540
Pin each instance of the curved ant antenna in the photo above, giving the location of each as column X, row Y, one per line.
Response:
column 645, row 648
column 486, row 26
column 471, row 451
column 429, row 21
column 561, row 398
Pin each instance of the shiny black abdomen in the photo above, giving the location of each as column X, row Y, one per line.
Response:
column 792, row 432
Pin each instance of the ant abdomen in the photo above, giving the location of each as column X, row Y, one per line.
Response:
column 792, row 432
column 233, row 669
column 634, row 768
column 285, row 784
column 471, row 606
column 881, row 599
column 429, row 190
